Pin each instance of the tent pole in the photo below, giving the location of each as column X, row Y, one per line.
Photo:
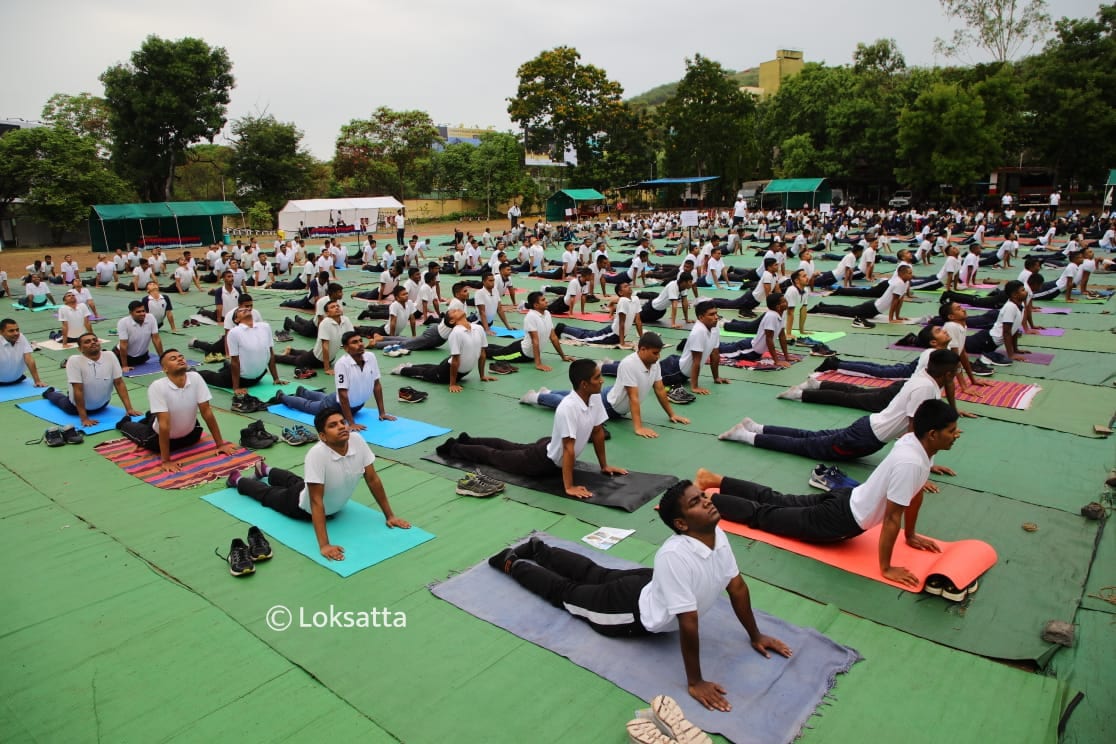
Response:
column 104, row 232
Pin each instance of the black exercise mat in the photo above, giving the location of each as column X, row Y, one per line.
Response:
column 627, row 492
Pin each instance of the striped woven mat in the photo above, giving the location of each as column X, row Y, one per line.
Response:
column 999, row 393
column 200, row 463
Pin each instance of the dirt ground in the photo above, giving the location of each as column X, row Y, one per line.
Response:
column 15, row 260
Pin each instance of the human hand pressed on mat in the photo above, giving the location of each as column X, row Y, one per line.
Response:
column 579, row 492
column 900, row 575
column 923, row 543
column 766, row 643
column 711, row 695
column 333, row 552
column 402, row 524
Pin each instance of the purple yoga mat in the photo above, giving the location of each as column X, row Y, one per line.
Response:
column 1038, row 357
column 1052, row 332
column 1055, row 310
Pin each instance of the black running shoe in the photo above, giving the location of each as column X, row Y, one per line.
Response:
column 259, row 549
column 240, row 559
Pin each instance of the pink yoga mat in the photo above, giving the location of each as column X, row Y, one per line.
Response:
column 1052, row 332
column 962, row 562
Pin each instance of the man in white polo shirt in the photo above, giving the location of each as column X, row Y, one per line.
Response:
column 332, row 469
column 538, row 327
column 16, row 355
column 171, row 424
column 136, row 332
column 251, row 355
column 578, row 419
column 357, row 379
column 328, row 344
column 467, row 344
column 91, row 375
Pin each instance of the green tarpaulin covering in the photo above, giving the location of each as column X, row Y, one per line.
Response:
column 164, row 224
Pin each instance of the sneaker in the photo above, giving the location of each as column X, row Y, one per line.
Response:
column 805, row 341
column 862, row 323
column 393, row 351
column 70, row 435
column 214, row 357
column 305, row 373
column 308, row 435
column 935, row 584
column 501, row 368
column 247, row 403
column 821, row 350
column 259, row 549
column 643, row 731
column 256, row 437
column 410, row 395
column 681, row 396
column 284, row 337
column 953, row 593
column 830, row 478
column 240, row 558
column 291, row 436
column 980, row 369
column 828, row 364
column 474, row 484
column 670, row 719
column 53, row 437
column 995, row 358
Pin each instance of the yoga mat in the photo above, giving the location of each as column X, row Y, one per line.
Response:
column 38, row 309
column 52, row 345
column 961, row 562
column 749, row 364
column 502, row 332
column 106, row 418
column 200, row 463
column 652, row 665
column 1052, row 332
column 266, row 390
column 16, row 391
column 357, row 528
column 627, row 492
column 1052, row 310
column 999, row 393
column 204, row 320
column 402, row 432
column 151, row 366
column 1038, row 357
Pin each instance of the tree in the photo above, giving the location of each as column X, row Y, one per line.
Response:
column 999, row 27
column 378, row 153
column 943, row 139
column 561, row 104
column 84, row 114
column 57, row 174
column 269, row 162
column 205, row 176
column 708, row 127
column 171, row 95
column 497, row 172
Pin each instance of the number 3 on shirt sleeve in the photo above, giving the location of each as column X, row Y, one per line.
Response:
column 341, row 379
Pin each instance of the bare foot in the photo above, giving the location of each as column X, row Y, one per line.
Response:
column 706, row 479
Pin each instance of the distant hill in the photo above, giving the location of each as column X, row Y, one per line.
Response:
column 658, row 95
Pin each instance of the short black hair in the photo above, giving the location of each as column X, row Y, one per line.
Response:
column 322, row 416
column 581, row 370
column 348, row 336
column 650, row 340
column 134, row 304
column 532, row 299
column 774, row 299
column 703, row 307
column 933, row 415
column 942, row 361
column 670, row 505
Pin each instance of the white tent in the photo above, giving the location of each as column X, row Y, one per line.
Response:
column 317, row 212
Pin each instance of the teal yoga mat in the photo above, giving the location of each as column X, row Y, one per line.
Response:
column 24, row 389
column 42, row 408
column 357, row 528
column 402, row 432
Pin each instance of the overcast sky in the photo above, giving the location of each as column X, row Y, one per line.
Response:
column 321, row 64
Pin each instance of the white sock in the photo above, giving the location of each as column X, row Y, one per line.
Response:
column 812, row 383
column 530, row 398
column 792, row 393
column 752, row 426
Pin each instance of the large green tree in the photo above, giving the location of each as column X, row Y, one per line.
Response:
column 57, row 174
column 561, row 103
column 708, row 128
column 943, row 139
column 268, row 161
column 206, row 175
column 497, row 173
column 85, row 115
column 379, row 154
column 171, row 95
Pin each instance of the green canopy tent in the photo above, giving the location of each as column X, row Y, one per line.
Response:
column 798, row 192
column 1109, row 188
column 162, row 224
column 559, row 202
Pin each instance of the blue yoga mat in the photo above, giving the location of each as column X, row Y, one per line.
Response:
column 396, row 434
column 771, row 698
column 359, row 529
column 151, row 366
column 25, row 389
column 37, row 309
column 44, row 409
column 502, row 332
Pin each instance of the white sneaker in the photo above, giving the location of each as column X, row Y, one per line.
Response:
column 671, row 720
column 643, row 731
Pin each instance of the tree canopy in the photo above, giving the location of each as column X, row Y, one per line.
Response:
column 378, row 154
column 268, row 161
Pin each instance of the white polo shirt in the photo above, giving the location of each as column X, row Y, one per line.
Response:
column 252, row 344
column 670, row 294
column 1009, row 313
column 688, row 577
column 466, row 345
column 701, row 339
column 896, row 287
column 74, row 318
column 163, row 396
column 137, row 335
column 771, row 321
column 96, row 378
column 542, row 324
column 339, row 474
column 11, row 358
column 893, row 421
column 489, row 301
column 629, row 307
column 229, row 325
column 952, row 265
column 574, row 419
column 157, row 308
column 360, row 382
column 331, row 331
column 631, row 372
column 897, row 479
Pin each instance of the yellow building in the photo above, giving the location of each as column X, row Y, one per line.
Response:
column 787, row 62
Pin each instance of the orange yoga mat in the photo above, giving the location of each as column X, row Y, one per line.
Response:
column 962, row 562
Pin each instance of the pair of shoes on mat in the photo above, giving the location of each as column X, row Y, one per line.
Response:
column 666, row 725
column 830, row 478
column 862, row 323
column 680, row 396
column 940, row 586
column 243, row 556
column 213, row 357
column 396, row 350
column 478, row 485
column 284, row 337
column 410, row 395
column 255, row 436
column 502, row 368
column 298, row 435
column 247, row 403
